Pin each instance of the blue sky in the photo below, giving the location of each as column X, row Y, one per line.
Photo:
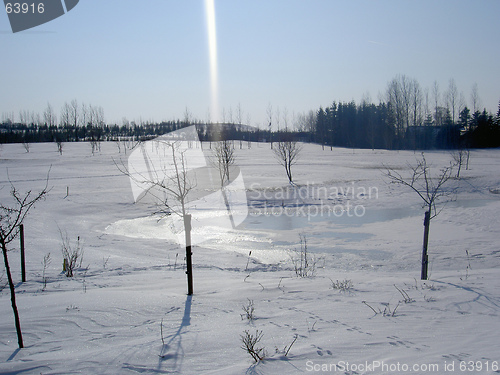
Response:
column 148, row 59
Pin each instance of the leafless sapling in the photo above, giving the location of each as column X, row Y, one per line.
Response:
column 60, row 146
column 45, row 263
column 168, row 182
column 461, row 157
column 26, row 143
column 431, row 189
column 224, row 159
column 287, row 152
column 12, row 216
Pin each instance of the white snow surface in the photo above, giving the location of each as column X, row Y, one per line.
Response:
column 126, row 310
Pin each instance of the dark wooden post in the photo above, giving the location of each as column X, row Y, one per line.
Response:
column 23, row 261
column 189, row 262
column 425, row 258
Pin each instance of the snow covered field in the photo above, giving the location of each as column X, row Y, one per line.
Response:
column 126, row 311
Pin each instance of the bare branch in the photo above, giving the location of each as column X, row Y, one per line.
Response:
column 428, row 187
column 165, row 178
column 12, row 216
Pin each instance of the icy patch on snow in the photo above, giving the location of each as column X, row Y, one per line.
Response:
column 142, row 227
column 259, row 248
column 209, row 236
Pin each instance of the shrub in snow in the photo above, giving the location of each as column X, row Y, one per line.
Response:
column 45, row 264
column 250, row 341
column 304, row 263
column 72, row 255
column 343, row 286
column 249, row 310
column 387, row 309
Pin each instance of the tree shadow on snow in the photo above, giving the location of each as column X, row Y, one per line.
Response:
column 173, row 350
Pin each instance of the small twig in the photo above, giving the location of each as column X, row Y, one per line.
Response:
column 248, row 260
column 370, row 307
column 105, row 262
column 289, row 347
column 84, row 284
column 406, row 297
column 314, row 324
column 394, row 311
column 161, row 332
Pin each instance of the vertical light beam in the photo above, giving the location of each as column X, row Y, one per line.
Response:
column 212, row 48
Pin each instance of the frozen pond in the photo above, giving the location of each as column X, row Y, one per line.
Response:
column 344, row 219
column 350, row 219
column 272, row 236
column 337, row 228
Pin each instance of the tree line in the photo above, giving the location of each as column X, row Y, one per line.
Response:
column 406, row 117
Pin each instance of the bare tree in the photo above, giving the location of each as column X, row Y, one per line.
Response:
column 91, row 113
column 278, row 118
column 36, row 119
column 66, row 119
column 285, row 118
column 305, row 122
column 461, row 157
column 287, row 152
column 224, row 159
column 24, row 117
column 223, row 115
column 24, row 120
column 426, row 102
column 431, row 189
column 11, row 217
column 399, row 95
column 436, row 95
column 269, row 112
column 49, row 116
column 84, row 115
column 417, row 99
column 65, row 114
column 74, row 113
column 60, row 145
column 452, row 99
column 475, row 100
column 96, row 122
column 166, row 179
column 188, row 116
column 8, row 117
column 100, row 120
column 239, row 114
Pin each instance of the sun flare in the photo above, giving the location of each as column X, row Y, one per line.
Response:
column 212, row 47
